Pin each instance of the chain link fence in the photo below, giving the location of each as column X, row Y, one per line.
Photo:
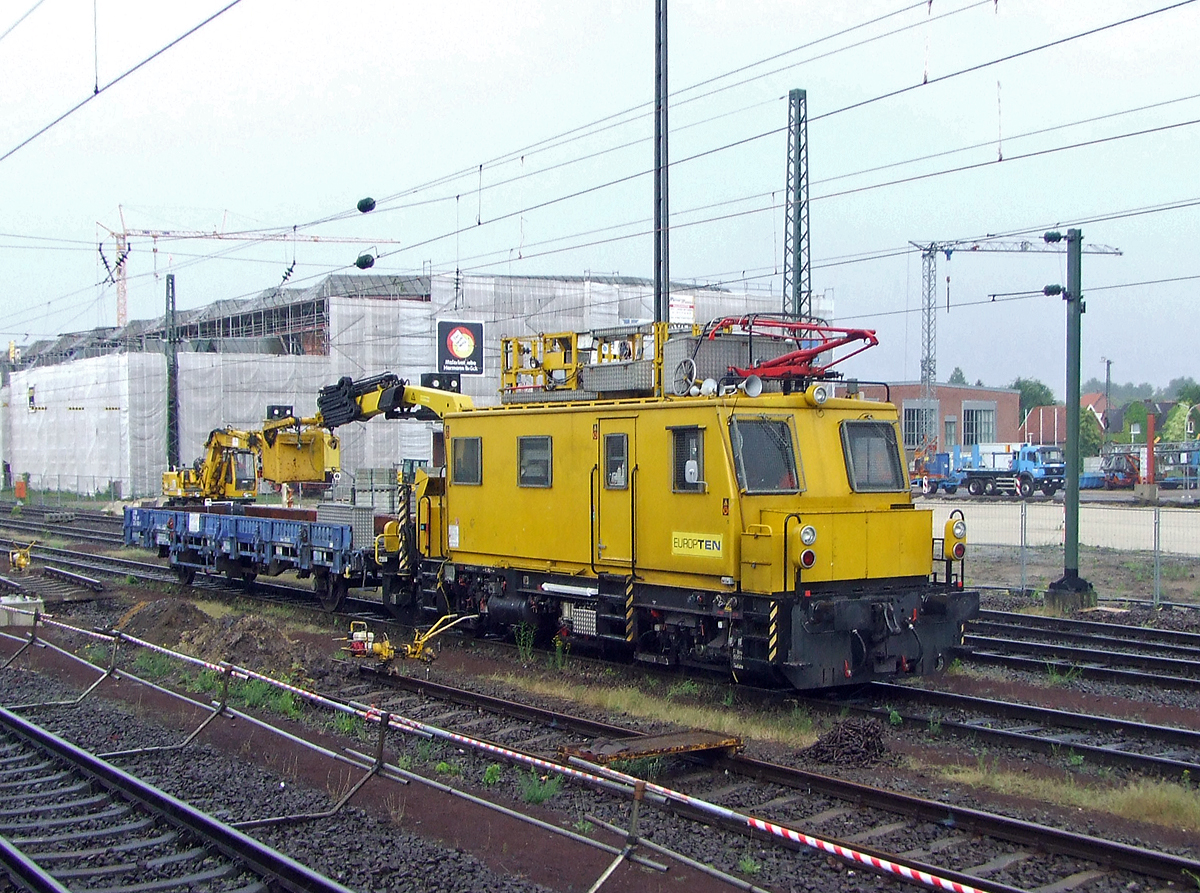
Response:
column 1143, row 540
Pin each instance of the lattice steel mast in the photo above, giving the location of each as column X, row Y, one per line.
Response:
column 797, row 248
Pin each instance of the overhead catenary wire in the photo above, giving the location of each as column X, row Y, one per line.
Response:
column 713, row 219
column 101, row 89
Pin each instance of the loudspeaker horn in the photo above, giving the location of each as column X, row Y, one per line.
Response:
column 752, row 386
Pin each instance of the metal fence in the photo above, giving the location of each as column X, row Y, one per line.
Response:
column 1024, row 529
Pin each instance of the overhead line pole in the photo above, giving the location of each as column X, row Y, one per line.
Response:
column 797, row 247
column 172, row 347
column 662, row 263
column 1073, row 295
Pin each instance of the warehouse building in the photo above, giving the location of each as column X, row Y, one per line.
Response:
column 87, row 412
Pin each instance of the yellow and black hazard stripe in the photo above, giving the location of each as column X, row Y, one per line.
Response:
column 773, row 633
column 629, row 609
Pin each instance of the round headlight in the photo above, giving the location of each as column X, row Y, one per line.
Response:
column 960, row 529
column 820, row 394
column 808, row 535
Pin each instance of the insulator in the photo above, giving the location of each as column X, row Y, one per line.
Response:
column 366, row 205
column 365, row 262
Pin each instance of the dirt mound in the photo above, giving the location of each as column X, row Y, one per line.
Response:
column 162, row 622
column 256, row 643
column 852, row 742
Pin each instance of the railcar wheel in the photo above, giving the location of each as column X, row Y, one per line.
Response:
column 186, row 575
column 1025, row 487
column 974, row 486
column 331, row 591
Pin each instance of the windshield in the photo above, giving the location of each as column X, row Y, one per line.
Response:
column 1051, row 455
column 245, row 468
column 765, row 456
column 872, row 456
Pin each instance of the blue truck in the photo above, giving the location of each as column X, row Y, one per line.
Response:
column 993, row 469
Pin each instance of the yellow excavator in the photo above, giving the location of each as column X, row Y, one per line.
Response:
column 286, row 450
column 292, row 450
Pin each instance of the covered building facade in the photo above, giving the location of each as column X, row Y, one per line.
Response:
column 87, row 412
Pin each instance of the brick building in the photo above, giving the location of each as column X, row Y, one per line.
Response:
column 965, row 414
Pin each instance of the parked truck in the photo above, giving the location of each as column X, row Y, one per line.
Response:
column 993, row 469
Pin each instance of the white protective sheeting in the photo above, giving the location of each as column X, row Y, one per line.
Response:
column 218, row 390
column 89, row 425
column 368, row 336
column 5, row 421
column 101, row 422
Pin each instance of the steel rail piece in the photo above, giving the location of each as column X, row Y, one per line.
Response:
column 1140, row 635
column 1046, row 718
column 262, row 860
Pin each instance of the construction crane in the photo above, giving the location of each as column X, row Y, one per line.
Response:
column 927, row 427
column 117, row 270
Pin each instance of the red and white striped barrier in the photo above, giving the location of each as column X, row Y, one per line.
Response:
column 594, row 774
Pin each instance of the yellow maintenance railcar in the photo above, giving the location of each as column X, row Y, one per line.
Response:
column 758, row 525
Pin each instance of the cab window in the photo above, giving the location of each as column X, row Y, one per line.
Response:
column 467, row 467
column 533, row 462
column 765, row 455
column 616, row 461
column 872, row 456
column 687, row 460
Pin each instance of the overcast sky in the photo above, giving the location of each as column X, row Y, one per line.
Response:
column 517, row 138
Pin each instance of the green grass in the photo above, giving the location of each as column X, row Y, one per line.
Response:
column 536, row 788
column 688, row 688
column 492, row 774
column 749, row 865
column 642, row 767
column 524, row 634
column 1145, row 800
column 153, row 665
column 795, row 729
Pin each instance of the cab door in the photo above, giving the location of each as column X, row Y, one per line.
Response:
column 613, row 544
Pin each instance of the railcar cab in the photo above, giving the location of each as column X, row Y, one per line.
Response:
column 751, row 521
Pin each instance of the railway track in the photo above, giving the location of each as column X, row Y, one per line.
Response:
column 1100, row 651
column 72, row 821
column 1074, row 738
column 881, row 822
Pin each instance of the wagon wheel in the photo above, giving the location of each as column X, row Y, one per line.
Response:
column 685, row 377
column 330, row 591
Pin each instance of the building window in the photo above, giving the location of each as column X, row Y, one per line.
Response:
column 919, row 422
column 616, row 461
column 951, row 432
column 533, row 461
column 467, row 467
column 979, row 426
column 872, row 457
column 765, row 456
column 687, row 460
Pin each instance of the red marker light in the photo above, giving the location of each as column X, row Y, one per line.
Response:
column 808, row 558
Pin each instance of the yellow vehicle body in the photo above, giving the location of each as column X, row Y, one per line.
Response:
column 228, row 470
column 717, row 536
column 304, row 455
column 773, row 534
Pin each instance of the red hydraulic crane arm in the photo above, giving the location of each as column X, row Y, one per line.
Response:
column 815, row 339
